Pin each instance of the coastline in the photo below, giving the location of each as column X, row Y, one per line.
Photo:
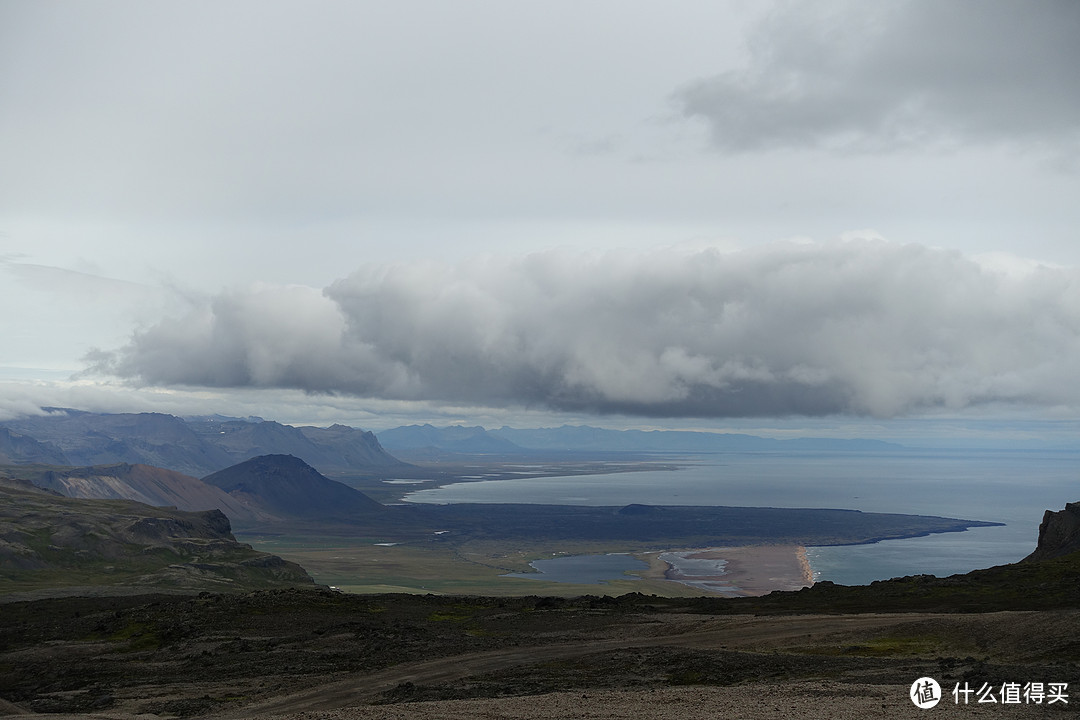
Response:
column 737, row 571
column 804, row 563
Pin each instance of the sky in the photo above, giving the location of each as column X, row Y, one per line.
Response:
column 829, row 218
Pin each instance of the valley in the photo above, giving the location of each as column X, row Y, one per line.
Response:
column 115, row 608
column 348, row 525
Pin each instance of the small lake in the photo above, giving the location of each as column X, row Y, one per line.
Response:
column 584, row 569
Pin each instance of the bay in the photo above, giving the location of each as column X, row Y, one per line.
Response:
column 1011, row 487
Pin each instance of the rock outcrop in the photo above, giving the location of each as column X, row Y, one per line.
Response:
column 1059, row 534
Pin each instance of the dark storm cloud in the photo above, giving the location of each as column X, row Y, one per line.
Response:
column 860, row 327
column 874, row 76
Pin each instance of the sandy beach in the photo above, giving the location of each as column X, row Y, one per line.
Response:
column 742, row 571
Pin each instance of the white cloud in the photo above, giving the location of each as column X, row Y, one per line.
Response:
column 859, row 326
column 922, row 74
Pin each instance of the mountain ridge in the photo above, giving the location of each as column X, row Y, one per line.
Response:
column 198, row 447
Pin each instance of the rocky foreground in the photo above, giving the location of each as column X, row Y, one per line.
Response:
column 319, row 654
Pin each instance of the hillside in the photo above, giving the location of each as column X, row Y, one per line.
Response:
column 145, row 484
column 47, row 540
column 274, row 489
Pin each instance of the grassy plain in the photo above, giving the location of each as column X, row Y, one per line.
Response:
column 477, row 567
column 360, row 565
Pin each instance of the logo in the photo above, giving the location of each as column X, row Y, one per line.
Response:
column 925, row 693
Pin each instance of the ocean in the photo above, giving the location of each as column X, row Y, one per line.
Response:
column 1011, row 487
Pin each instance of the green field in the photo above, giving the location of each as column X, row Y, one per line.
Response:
column 359, row 565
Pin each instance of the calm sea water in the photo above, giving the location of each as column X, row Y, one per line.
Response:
column 1012, row 487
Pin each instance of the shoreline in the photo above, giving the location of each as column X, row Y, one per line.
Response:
column 734, row 571
column 804, row 563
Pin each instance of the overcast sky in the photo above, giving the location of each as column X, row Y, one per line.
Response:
column 842, row 216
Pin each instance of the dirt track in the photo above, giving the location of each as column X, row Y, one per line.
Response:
column 326, row 655
column 757, row 634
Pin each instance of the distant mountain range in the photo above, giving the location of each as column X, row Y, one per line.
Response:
column 16, row 448
column 584, row 438
column 455, row 439
column 196, row 447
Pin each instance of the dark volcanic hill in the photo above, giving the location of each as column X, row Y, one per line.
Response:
column 286, row 486
column 51, row 541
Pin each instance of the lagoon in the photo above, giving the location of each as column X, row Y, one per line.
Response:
column 584, row 569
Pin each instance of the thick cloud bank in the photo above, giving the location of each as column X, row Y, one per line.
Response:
column 854, row 75
column 862, row 327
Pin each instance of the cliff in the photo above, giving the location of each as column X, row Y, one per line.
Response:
column 1059, row 534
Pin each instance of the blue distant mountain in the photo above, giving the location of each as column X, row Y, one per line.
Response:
column 455, row 438
column 196, row 446
column 584, row 438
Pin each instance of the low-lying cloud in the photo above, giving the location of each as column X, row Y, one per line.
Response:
column 864, row 327
column 858, row 76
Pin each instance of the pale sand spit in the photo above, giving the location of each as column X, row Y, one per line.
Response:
column 742, row 571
